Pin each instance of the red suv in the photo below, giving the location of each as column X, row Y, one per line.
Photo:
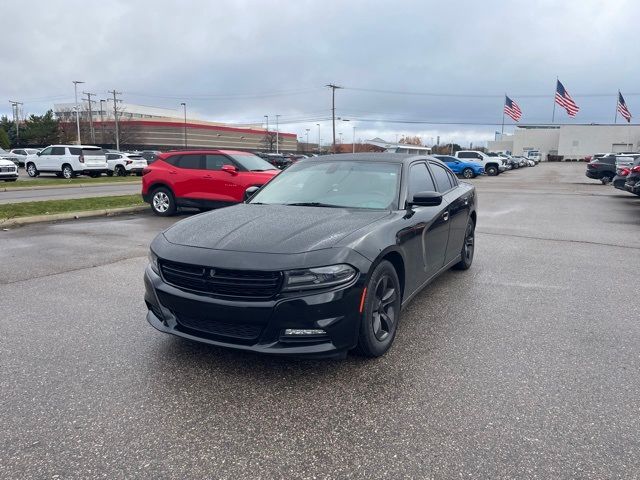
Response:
column 202, row 179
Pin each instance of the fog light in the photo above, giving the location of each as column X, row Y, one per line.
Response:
column 297, row 332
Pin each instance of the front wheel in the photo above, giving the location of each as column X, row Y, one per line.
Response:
column 32, row 171
column 468, row 247
column 163, row 203
column 492, row 170
column 605, row 179
column 381, row 312
column 468, row 173
column 67, row 172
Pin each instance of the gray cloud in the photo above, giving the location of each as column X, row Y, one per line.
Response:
column 222, row 58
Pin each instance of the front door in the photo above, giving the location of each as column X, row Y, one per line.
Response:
column 222, row 186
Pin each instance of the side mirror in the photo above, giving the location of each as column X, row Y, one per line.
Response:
column 39, row 153
column 229, row 169
column 249, row 192
column 426, row 199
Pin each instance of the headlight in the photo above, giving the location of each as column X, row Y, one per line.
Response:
column 320, row 277
column 153, row 261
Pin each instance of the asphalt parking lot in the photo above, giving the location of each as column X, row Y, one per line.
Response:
column 525, row 366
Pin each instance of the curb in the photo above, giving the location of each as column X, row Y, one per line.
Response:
column 79, row 185
column 108, row 212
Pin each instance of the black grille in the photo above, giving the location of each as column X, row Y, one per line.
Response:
column 7, row 169
column 219, row 282
column 223, row 328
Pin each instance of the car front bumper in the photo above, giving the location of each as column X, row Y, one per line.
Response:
column 259, row 326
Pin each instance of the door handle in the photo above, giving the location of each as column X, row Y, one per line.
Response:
column 172, row 172
column 207, row 176
column 445, row 216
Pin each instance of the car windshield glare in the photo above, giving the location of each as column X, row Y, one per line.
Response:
column 252, row 162
column 352, row 184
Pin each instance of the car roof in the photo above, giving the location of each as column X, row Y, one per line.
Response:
column 74, row 146
column 203, row 150
column 385, row 157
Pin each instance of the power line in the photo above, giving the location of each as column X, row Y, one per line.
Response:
column 89, row 101
column 115, row 115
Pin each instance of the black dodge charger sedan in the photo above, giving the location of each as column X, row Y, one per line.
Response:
column 317, row 262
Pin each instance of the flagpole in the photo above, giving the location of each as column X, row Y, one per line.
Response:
column 615, row 120
column 505, row 102
column 553, row 115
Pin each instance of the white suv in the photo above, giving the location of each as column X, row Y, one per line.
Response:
column 492, row 165
column 25, row 154
column 68, row 161
column 122, row 164
column 8, row 170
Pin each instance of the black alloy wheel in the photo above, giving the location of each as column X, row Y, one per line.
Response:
column 468, row 247
column 492, row 170
column 381, row 312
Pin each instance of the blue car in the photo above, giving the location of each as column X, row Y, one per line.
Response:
column 461, row 167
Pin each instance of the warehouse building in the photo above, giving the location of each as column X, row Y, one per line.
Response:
column 151, row 128
column 568, row 142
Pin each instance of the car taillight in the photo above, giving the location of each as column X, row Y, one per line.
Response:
column 636, row 169
column 128, row 162
column 145, row 171
column 624, row 172
column 81, row 158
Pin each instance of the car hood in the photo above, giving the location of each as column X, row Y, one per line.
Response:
column 271, row 228
column 7, row 163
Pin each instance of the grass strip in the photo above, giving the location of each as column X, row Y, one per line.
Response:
column 48, row 182
column 50, row 207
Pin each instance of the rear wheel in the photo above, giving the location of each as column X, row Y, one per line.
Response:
column 32, row 171
column 67, row 172
column 468, row 173
column 109, row 173
column 606, row 178
column 119, row 171
column 163, row 202
column 492, row 170
column 468, row 247
column 381, row 312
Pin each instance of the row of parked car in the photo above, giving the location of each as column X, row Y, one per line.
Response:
column 620, row 169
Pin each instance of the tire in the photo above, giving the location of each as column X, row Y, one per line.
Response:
column 109, row 173
column 11, row 179
column 119, row 171
column 468, row 247
column 468, row 173
column 491, row 170
column 606, row 178
column 163, row 203
column 381, row 312
column 32, row 170
column 67, row 171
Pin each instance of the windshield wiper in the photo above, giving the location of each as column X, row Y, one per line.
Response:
column 313, row 204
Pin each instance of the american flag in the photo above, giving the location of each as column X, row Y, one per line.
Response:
column 512, row 109
column 623, row 109
column 565, row 101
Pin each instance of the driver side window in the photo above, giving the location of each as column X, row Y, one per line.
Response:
column 419, row 180
column 46, row 151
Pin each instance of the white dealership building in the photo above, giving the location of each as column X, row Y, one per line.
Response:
column 571, row 142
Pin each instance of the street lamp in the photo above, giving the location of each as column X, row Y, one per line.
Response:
column 307, row 144
column 354, row 139
column 184, row 106
column 318, row 125
column 75, row 90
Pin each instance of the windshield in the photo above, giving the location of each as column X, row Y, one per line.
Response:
column 338, row 184
column 252, row 162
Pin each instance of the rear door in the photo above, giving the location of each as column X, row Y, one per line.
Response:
column 186, row 175
column 458, row 208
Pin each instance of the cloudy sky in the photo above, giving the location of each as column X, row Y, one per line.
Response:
column 414, row 67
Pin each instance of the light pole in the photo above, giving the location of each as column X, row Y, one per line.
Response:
column 184, row 106
column 354, row 139
column 102, row 120
column 340, row 133
column 318, row 125
column 75, row 90
column 277, row 134
column 307, row 144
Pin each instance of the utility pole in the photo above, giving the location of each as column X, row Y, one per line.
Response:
column 318, row 125
column 89, row 101
column 102, row 121
column 277, row 134
column 354, row 139
column 333, row 111
column 184, row 105
column 115, row 115
column 75, row 90
column 16, row 118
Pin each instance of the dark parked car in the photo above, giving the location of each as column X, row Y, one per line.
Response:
column 633, row 179
column 319, row 261
column 603, row 168
column 622, row 173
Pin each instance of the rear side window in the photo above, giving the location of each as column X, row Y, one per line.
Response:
column 466, row 155
column 58, row 151
column 192, row 162
column 419, row 180
column 452, row 179
column 442, row 178
column 92, row 151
